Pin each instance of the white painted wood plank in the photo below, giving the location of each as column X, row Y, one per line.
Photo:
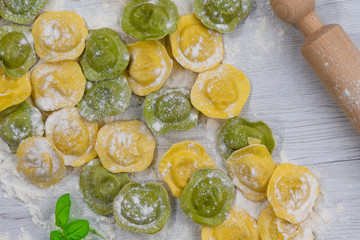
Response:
column 311, row 129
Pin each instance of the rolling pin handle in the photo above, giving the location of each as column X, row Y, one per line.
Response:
column 292, row 11
column 309, row 24
column 329, row 51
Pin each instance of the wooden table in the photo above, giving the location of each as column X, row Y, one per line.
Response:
column 310, row 129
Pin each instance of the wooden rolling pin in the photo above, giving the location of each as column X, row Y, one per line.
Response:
column 329, row 51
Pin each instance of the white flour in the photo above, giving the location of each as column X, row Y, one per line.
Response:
column 252, row 41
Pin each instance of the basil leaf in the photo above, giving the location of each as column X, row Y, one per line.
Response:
column 77, row 229
column 96, row 232
column 62, row 210
column 56, row 235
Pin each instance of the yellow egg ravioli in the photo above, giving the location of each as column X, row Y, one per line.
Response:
column 251, row 169
column 238, row 226
column 125, row 146
column 40, row 162
column 195, row 46
column 180, row 161
column 57, row 85
column 73, row 136
column 59, row 36
column 13, row 91
column 150, row 65
column 292, row 192
column 220, row 92
column 274, row 228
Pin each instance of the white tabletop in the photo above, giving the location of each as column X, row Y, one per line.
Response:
column 309, row 127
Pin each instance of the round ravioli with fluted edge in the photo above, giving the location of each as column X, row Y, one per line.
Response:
column 100, row 187
column 57, row 85
column 292, row 192
column 20, row 11
column 17, row 53
column 142, row 207
column 13, row 91
column 169, row 109
column 180, row 161
column 40, row 162
column 220, row 92
column 105, row 98
column 149, row 19
column 72, row 136
column 238, row 226
column 150, row 65
column 105, row 55
column 222, row 15
column 59, row 36
column 274, row 228
column 237, row 133
column 208, row 196
column 251, row 169
column 20, row 122
column 196, row 47
column 125, row 146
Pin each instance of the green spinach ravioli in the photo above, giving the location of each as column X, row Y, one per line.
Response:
column 20, row 11
column 105, row 55
column 222, row 15
column 17, row 52
column 149, row 19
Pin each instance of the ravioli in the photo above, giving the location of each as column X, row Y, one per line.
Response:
column 169, row 109
column 148, row 19
column 40, row 162
column 100, row 187
column 208, row 196
column 292, row 192
column 150, row 65
column 57, row 85
column 142, row 207
column 222, row 15
column 274, row 228
column 238, row 226
column 237, row 133
column 20, row 11
column 196, row 47
column 180, row 161
column 220, row 92
column 105, row 98
column 59, row 36
column 251, row 169
column 20, row 122
column 125, row 146
column 17, row 53
column 13, row 91
column 105, row 56
column 72, row 136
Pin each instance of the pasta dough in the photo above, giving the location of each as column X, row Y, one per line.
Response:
column 57, row 85
column 220, row 92
column 292, row 192
column 72, row 136
column 59, row 36
column 195, row 46
column 126, row 146
column 40, row 162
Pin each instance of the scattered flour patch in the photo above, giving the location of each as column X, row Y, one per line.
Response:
column 37, row 217
column 4, row 236
column 254, row 208
column 23, row 235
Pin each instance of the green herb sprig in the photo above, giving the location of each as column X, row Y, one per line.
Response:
column 73, row 230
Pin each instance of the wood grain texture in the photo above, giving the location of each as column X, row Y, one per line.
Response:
column 309, row 126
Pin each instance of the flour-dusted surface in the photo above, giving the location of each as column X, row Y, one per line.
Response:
column 309, row 128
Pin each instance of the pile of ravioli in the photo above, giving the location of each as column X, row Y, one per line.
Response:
column 52, row 115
